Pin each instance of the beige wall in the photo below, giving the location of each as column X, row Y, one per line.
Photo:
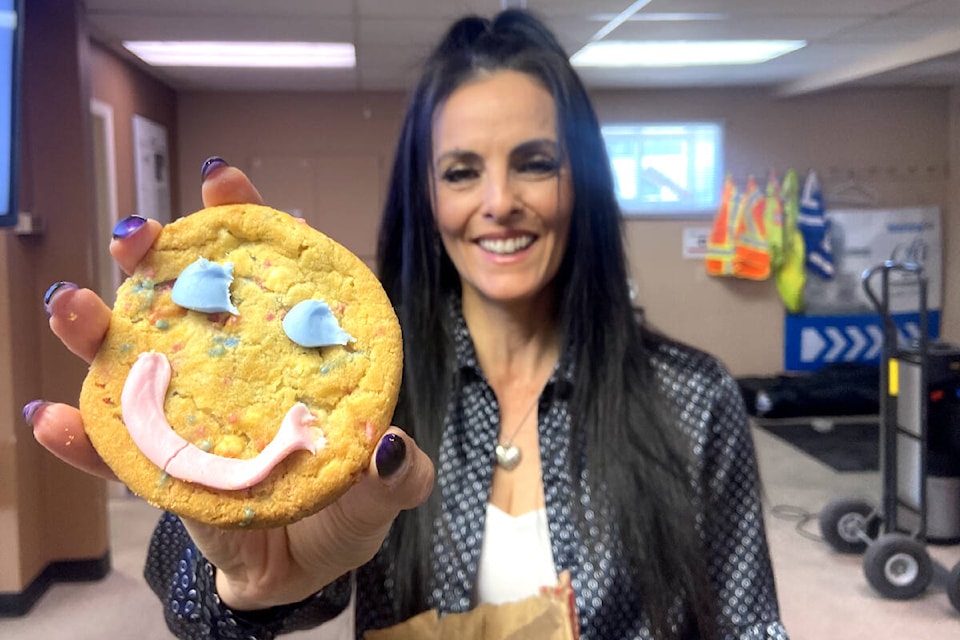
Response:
column 951, row 224
column 893, row 140
column 325, row 156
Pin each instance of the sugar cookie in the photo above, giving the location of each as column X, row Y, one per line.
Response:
column 250, row 368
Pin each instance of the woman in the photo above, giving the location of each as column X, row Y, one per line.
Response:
column 528, row 380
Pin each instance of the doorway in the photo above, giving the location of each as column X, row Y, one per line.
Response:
column 105, row 184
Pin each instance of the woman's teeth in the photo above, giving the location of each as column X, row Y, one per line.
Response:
column 504, row 246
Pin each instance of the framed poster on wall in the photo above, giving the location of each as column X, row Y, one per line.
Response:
column 151, row 169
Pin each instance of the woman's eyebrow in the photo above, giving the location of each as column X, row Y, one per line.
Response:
column 539, row 144
column 457, row 155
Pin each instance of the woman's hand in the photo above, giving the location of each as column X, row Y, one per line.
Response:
column 258, row 568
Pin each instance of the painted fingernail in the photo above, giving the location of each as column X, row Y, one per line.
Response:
column 211, row 163
column 128, row 226
column 56, row 289
column 30, row 410
column 390, row 454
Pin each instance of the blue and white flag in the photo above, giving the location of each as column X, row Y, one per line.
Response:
column 815, row 227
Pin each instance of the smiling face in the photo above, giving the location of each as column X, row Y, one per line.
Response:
column 503, row 193
column 250, row 367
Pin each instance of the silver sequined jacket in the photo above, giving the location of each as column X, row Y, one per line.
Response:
column 711, row 415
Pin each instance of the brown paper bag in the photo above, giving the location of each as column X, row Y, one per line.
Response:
column 548, row 616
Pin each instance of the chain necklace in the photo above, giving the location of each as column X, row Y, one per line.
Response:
column 508, row 454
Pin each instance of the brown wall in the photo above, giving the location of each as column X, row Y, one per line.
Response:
column 131, row 92
column 48, row 511
column 893, row 140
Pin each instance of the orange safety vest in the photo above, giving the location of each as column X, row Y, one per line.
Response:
column 751, row 253
column 719, row 258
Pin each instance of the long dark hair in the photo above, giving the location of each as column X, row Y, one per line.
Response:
column 622, row 428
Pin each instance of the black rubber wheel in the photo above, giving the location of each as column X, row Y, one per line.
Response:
column 848, row 525
column 897, row 566
column 953, row 587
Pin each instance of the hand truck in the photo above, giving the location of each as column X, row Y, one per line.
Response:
column 893, row 537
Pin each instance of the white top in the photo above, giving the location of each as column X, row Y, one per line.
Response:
column 515, row 559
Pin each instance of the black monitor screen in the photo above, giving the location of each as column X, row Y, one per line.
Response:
column 10, row 34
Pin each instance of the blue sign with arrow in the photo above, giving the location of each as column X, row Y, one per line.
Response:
column 811, row 342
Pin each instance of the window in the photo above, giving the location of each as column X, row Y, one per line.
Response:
column 672, row 168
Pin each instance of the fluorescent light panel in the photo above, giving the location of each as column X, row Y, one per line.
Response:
column 681, row 53
column 245, row 54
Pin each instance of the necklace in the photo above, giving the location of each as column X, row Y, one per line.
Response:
column 508, row 454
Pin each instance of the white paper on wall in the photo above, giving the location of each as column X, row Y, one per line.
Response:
column 865, row 238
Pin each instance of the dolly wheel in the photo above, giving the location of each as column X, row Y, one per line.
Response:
column 953, row 587
column 897, row 566
column 848, row 525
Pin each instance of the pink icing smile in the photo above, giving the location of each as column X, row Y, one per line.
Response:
column 142, row 405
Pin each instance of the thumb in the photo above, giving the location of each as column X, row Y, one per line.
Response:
column 400, row 477
column 223, row 184
column 349, row 532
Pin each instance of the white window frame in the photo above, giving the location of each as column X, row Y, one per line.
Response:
column 704, row 198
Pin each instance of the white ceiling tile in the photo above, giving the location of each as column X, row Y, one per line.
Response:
column 232, row 28
column 752, row 28
column 224, row 8
column 412, row 9
column 378, row 32
column 393, row 36
column 901, row 29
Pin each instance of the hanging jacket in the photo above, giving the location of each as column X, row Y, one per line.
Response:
column 751, row 253
column 719, row 259
column 773, row 221
column 791, row 275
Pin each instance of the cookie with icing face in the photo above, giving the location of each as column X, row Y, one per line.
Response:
column 250, row 368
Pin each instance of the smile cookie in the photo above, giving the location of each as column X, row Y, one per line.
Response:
column 250, row 368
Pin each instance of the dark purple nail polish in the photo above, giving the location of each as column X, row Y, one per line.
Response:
column 211, row 163
column 128, row 226
column 390, row 454
column 30, row 410
column 55, row 288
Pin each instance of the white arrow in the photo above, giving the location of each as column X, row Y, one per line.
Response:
column 839, row 343
column 811, row 344
column 907, row 333
column 912, row 329
column 859, row 342
column 876, row 337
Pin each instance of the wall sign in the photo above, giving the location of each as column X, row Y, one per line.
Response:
column 152, row 169
column 840, row 323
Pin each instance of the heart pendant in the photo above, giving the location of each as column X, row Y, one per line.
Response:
column 508, row 456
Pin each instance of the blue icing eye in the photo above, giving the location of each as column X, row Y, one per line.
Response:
column 205, row 286
column 312, row 324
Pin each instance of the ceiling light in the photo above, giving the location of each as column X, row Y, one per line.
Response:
column 244, row 54
column 610, row 53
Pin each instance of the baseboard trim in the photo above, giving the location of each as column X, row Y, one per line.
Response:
column 18, row 604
